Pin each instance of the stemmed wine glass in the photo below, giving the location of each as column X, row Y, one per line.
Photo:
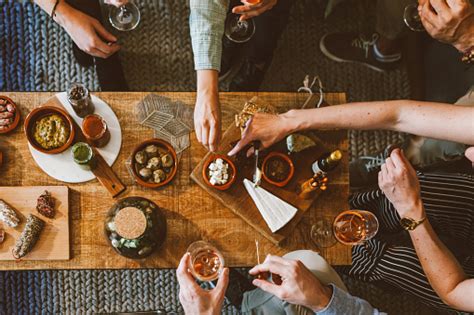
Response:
column 412, row 19
column 125, row 17
column 240, row 31
column 207, row 262
column 352, row 227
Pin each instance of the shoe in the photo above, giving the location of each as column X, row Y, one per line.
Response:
column 82, row 57
column 110, row 73
column 249, row 77
column 363, row 172
column 238, row 285
column 353, row 48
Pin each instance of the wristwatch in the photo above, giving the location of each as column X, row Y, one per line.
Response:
column 409, row 224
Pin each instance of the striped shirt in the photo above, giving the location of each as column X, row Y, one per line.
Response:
column 206, row 23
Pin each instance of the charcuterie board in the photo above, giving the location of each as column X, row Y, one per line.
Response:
column 53, row 243
column 239, row 201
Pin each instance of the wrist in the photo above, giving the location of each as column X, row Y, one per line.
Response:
column 416, row 211
column 322, row 298
column 465, row 41
column 63, row 13
column 207, row 82
column 291, row 122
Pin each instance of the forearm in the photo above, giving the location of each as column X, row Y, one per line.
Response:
column 61, row 11
column 440, row 266
column 435, row 120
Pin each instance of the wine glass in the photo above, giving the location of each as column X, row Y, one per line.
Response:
column 207, row 262
column 125, row 17
column 412, row 18
column 240, row 31
column 322, row 234
column 354, row 227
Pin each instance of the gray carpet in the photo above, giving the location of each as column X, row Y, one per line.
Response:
column 36, row 56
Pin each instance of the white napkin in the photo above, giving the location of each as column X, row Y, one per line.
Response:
column 276, row 212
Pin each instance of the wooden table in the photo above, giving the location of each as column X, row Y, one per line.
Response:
column 191, row 213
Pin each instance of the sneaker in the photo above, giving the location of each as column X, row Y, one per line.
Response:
column 249, row 77
column 363, row 172
column 352, row 47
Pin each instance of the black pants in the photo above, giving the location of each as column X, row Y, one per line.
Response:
column 268, row 28
column 109, row 70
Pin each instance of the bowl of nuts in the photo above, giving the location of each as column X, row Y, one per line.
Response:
column 9, row 114
column 154, row 163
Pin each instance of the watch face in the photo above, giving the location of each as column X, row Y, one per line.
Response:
column 407, row 223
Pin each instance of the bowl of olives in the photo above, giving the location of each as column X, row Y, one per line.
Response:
column 154, row 163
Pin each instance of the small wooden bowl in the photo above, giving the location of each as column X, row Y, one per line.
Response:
column 285, row 158
column 232, row 178
column 41, row 112
column 160, row 143
column 16, row 119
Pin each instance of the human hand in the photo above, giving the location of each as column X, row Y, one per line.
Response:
column 299, row 286
column 207, row 112
column 266, row 128
column 193, row 298
column 449, row 21
column 399, row 182
column 87, row 32
column 253, row 8
column 116, row 3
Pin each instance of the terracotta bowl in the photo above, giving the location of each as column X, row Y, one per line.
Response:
column 41, row 112
column 16, row 119
column 233, row 175
column 285, row 158
column 160, row 143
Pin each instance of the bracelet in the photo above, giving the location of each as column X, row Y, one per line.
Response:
column 53, row 12
column 468, row 56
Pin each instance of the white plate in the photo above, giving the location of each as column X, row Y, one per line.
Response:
column 61, row 166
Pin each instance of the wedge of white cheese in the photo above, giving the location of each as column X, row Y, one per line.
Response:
column 276, row 212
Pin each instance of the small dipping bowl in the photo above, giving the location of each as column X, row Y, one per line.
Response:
column 232, row 175
column 83, row 155
column 95, row 130
column 283, row 158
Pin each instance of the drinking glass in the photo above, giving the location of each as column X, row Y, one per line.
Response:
column 126, row 17
column 207, row 262
column 240, row 31
column 412, row 18
column 354, row 227
column 321, row 233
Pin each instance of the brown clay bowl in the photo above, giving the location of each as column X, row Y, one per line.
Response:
column 160, row 143
column 41, row 112
column 16, row 118
column 283, row 157
column 233, row 175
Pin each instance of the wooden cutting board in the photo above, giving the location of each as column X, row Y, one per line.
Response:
column 53, row 243
column 103, row 172
column 239, row 201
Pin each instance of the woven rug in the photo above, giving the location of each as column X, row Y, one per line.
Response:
column 36, row 56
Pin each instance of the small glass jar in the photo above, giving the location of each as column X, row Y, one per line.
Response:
column 84, row 155
column 95, row 130
column 80, row 99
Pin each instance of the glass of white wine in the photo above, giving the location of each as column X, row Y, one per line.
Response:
column 237, row 30
column 355, row 227
column 412, row 18
column 125, row 17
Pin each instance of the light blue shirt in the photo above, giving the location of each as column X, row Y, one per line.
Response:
column 206, row 23
column 343, row 303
